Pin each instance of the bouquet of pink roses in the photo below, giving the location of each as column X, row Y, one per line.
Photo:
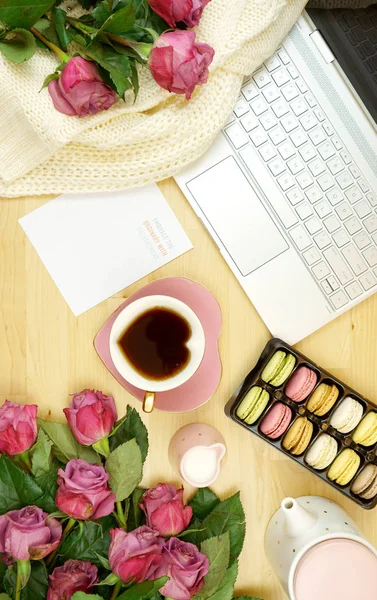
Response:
column 74, row 524
column 99, row 51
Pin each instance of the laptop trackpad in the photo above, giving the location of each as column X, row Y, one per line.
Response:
column 235, row 212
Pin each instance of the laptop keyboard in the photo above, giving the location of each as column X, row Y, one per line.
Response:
column 360, row 27
column 321, row 199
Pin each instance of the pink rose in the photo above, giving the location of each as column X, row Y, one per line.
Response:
column 136, row 555
column 179, row 11
column 178, row 63
column 165, row 511
column 28, row 533
column 18, row 427
column 83, row 491
column 185, row 566
column 91, row 416
column 73, row 576
column 80, row 90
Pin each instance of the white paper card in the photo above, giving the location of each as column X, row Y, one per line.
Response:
column 94, row 245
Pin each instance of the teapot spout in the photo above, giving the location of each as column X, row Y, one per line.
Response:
column 299, row 520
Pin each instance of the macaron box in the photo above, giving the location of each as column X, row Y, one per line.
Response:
column 312, row 417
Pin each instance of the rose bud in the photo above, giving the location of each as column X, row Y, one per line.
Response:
column 80, row 90
column 83, row 491
column 178, row 63
column 135, row 556
column 73, row 576
column 165, row 511
column 179, row 11
column 28, row 533
column 185, row 566
column 18, row 427
column 91, row 416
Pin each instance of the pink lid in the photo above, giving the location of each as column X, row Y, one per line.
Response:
column 337, row 569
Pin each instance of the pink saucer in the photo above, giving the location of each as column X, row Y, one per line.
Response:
column 201, row 387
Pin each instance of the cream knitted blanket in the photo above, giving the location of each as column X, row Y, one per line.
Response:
column 44, row 152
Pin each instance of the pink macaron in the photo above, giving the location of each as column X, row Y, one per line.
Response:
column 276, row 421
column 301, row 384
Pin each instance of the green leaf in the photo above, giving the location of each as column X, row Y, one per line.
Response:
column 125, row 468
column 47, row 28
column 23, row 13
column 155, row 22
column 190, row 532
column 128, row 428
column 117, row 65
column 45, row 471
column 136, row 516
column 59, row 18
column 148, row 19
column 9, row 581
column 41, row 460
column 102, row 12
column 17, row 489
column 47, row 80
column 49, row 483
column 104, row 562
column 227, row 516
column 3, row 568
column 5, row 597
column 217, row 550
column 42, row 24
column 203, row 503
column 93, row 541
column 226, row 588
column 196, row 534
column 18, row 46
column 36, row 587
column 66, row 446
column 121, row 20
column 135, row 79
column 84, row 596
column 143, row 591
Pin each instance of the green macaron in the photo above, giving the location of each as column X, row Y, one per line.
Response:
column 278, row 368
column 253, row 404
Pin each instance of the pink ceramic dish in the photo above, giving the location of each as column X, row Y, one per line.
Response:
column 276, row 421
column 203, row 384
column 184, row 453
column 301, row 384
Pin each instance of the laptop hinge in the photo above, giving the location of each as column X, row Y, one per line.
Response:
column 322, row 46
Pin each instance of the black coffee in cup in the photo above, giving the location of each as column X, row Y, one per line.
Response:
column 155, row 343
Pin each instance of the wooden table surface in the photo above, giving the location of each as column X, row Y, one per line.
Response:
column 46, row 353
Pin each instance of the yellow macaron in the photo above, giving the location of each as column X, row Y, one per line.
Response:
column 344, row 467
column 366, row 432
column 298, row 436
column 323, row 399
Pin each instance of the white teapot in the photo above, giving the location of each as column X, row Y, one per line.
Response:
column 299, row 526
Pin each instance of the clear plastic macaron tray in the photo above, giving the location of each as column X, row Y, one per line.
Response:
column 313, row 417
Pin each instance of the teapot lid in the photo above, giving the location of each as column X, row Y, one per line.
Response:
column 337, row 569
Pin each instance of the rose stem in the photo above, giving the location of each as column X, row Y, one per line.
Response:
column 18, row 584
column 59, row 53
column 25, row 459
column 67, row 529
column 142, row 48
column 116, row 590
column 120, row 514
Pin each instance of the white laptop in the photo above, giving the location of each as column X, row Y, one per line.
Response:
column 288, row 191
